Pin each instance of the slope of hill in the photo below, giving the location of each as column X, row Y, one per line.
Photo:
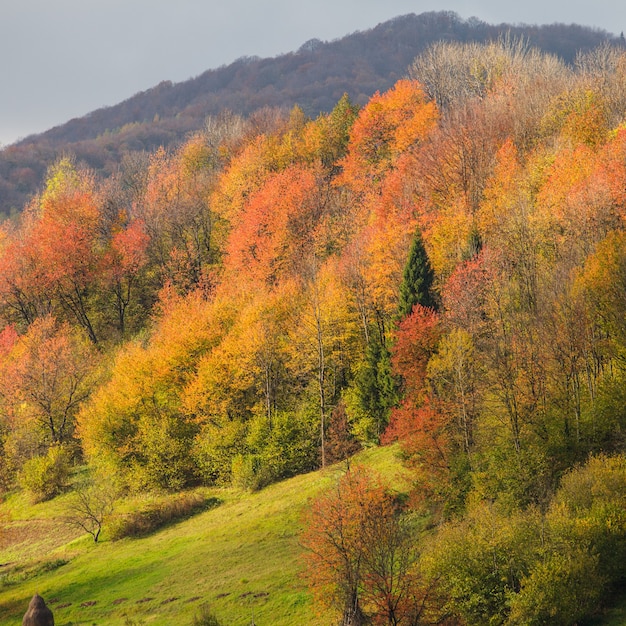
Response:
column 445, row 267
column 242, row 558
column 314, row 77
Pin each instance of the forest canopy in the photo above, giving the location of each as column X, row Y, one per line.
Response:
column 444, row 267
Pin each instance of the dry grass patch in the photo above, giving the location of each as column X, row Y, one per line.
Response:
column 158, row 514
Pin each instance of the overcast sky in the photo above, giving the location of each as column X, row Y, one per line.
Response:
column 60, row 59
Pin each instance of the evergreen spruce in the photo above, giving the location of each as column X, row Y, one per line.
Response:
column 417, row 280
column 378, row 387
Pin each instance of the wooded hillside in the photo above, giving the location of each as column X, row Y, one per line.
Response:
column 314, row 78
column 444, row 266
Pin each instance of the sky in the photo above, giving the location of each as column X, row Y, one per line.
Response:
column 61, row 59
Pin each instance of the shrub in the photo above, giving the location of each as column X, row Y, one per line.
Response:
column 499, row 566
column 247, row 472
column 159, row 514
column 288, row 447
column 561, row 590
column 205, row 618
column 590, row 509
column 163, row 461
column 214, row 449
column 476, row 564
column 19, row 446
column 46, row 476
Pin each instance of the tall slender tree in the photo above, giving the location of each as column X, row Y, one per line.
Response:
column 417, row 280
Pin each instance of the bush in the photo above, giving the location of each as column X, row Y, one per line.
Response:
column 19, row 446
column 163, row 460
column 288, row 447
column 159, row 514
column 561, row 590
column 205, row 618
column 476, row 564
column 247, row 472
column 46, row 476
column 590, row 509
column 499, row 566
column 215, row 449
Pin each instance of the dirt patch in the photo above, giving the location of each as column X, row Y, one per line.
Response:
column 25, row 540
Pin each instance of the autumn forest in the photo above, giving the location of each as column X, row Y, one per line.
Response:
column 442, row 270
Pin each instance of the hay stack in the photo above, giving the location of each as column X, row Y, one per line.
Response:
column 38, row 613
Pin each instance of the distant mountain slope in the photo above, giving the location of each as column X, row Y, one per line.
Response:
column 314, row 77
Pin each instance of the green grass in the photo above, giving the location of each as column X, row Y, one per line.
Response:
column 614, row 616
column 242, row 558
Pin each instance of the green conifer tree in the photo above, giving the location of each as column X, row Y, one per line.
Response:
column 376, row 384
column 417, row 280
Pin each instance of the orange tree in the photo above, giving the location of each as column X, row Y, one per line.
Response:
column 360, row 554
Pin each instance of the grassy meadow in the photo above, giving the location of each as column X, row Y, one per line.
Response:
column 241, row 557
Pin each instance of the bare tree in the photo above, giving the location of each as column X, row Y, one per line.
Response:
column 92, row 503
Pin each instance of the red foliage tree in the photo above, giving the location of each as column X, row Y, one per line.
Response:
column 121, row 265
column 276, row 226
column 359, row 555
column 416, row 340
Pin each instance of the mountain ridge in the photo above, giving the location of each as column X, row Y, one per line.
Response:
column 313, row 77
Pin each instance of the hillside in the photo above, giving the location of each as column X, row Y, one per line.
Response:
column 443, row 267
column 242, row 558
column 314, row 77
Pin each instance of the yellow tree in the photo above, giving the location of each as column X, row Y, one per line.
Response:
column 321, row 337
column 136, row 421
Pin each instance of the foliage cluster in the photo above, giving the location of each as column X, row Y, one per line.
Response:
column 444, row 266
column 44, row 477
column 532, row 567
column 374, row 561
